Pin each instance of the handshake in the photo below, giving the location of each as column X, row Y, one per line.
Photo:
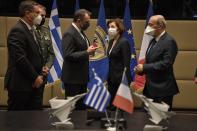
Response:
column 139, row 69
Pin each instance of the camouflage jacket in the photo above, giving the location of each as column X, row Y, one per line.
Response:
column 44, row 39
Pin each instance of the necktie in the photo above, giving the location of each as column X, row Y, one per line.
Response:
column 34, row 35
column 152, row 44
column 37, row 43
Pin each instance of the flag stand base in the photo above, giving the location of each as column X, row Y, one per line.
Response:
column 154, row 128
column 111, row 129
column 120, row 125
column 63, row 125
column 93, row 115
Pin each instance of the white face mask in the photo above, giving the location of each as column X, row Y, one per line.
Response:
column 112, row 32
column 150, row 31
column 37, row 20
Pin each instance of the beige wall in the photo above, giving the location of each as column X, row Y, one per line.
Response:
column 185, row 33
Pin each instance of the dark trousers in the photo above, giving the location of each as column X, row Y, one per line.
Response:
column 76, row 89
column 112, row 88
column 166, row 99
column 25, row 100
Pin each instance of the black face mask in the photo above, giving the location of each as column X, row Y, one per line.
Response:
column 85, row 26
column 42, row 22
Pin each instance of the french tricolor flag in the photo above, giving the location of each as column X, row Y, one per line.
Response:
column 123, row 98
column 140, row 79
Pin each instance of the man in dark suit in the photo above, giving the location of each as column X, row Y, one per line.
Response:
column 160, row 56
column 76, row 52
column 23, row 77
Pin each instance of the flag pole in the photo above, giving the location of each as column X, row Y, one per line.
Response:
column 116, row 119
column 108, row 118
column 115, row 125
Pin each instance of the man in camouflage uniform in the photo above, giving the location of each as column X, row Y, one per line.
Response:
column 43, row 39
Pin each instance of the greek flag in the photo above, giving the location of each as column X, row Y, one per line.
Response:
column 98, row 96
column 56, row 37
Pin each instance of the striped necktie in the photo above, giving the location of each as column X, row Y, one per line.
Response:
column 35, row 38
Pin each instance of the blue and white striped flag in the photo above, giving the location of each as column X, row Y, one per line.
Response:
column 56, row 37
column 98, row 96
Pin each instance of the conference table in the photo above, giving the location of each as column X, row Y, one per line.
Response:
column 41, row 120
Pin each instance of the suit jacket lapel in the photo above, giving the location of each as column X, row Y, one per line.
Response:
column 35, row 45
column 153, row 49
column 109, row 47
column 79, row 37
column 113, row 46
column 27, row 30
column 157, row 45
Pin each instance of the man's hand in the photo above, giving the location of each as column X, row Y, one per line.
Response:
column 45, row 70
column 138, row 69
column 91, row 49
column 38, row 82
column 195, row 79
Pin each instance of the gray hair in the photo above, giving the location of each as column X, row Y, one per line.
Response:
column 161, row 21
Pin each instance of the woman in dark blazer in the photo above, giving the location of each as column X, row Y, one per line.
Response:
column 119, row 54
